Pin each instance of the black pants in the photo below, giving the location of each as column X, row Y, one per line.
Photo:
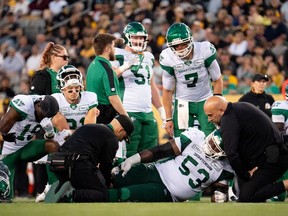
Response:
column 88, row 182
column 261, row 186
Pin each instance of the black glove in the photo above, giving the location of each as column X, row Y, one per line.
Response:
column 10, row 137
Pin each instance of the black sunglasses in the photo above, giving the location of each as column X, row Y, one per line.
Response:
column 65, row 57
column 72, row 90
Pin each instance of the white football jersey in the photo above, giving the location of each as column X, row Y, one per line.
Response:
column 190, row 172
column 192, row 77
column 279, row 112
column 76, row 113
column 27, row 126
column 137, row 96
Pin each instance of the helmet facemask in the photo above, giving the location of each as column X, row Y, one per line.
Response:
column 135, row 36
column 4, row 184
column 184, row 52
column 212, row 146
column 177, row 34
column 69, row 76
column 137, row 44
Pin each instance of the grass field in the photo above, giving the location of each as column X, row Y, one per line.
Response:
column 202, row 208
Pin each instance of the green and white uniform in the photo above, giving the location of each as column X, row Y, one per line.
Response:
column 24, row 149
column 137, row 99
column 75, row 113
column 191, row 80
column 26, row 128
column 182, row 177
column 279, row 112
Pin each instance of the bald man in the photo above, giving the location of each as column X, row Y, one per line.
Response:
column 253, row 147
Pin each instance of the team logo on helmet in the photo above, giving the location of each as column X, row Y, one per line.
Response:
column 179, row 33
column 69, row 76
column 135, row 29
column 213, row 144
column 4, row 181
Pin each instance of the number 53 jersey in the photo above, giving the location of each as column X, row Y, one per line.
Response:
column 135, row 82
column 192, row 76
column 191, row 171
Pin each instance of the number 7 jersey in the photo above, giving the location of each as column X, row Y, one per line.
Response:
column 192, row 76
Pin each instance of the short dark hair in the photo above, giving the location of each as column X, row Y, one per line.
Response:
column 100, row 42
column 49, row 106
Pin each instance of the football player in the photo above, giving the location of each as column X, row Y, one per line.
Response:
column 24, row 118
column 193, row 164
column 188, row 68
column 134, row 67
column 77, row 106
column 280, row 118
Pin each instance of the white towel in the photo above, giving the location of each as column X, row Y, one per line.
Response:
column 183, row 114
column 121, row 152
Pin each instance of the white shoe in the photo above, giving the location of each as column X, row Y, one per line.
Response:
column 41, row 197
column 232, row 197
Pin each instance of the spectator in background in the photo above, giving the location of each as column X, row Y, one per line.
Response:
column 276, row 33
column 225, row 61
column 198, row 31
column 57, row 6
column 21, row 8
column 23, row 47
column 245, row 68
column 13, row 65
column 228, row 87
column 5, row 90
column 8, row 29
column 37, row 7
column 239, row 45
column 258, row 96
column 33, row 62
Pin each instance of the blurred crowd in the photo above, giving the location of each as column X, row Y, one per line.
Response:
column 249, row 35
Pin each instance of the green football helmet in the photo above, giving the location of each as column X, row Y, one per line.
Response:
column 135, row 29
column 213, row 144
column 69, row 76
column 179, row 33
column 4, row 181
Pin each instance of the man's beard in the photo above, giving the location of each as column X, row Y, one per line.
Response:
column 112, row 56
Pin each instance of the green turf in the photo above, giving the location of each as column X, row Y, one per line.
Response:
column 204, row 207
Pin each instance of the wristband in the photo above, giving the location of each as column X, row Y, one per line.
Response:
column 49, row 136
column 217, row 94
column 169, row 119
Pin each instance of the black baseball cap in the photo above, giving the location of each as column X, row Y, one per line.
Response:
column 49, row 106
column 258, row 77
column 127, row 124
